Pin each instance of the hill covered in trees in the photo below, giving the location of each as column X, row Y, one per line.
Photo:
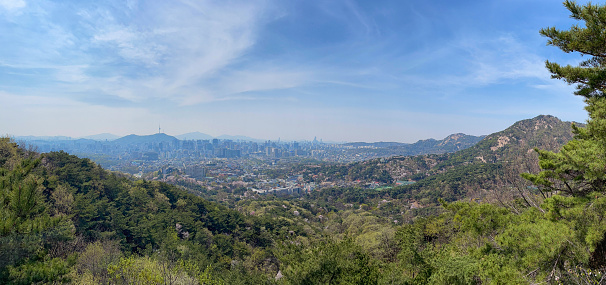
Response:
column 493, row 165
column 451, row 143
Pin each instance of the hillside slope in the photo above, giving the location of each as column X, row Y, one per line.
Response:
column 512, row 144
column 493, row 163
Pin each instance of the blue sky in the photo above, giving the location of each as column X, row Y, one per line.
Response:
column 341, row 70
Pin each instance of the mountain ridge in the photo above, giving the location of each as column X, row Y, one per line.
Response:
column 155, row 138
column 493, row 163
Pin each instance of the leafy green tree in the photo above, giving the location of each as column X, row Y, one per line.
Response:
column 330, row 262
column 579, row 168
column 576, row 175
column 27, row 231
column 93, row 262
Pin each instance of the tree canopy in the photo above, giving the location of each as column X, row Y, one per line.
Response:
column 589, row 75
column 580, row 167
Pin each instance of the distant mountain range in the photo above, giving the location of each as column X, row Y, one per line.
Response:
column 154, row 137
column 451, row 143
column 519, row 133
column 43, row 138
column 514, row 143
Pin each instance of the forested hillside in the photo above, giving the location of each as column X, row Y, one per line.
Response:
column 66, row 219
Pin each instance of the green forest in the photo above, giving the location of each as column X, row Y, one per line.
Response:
column 65, row 219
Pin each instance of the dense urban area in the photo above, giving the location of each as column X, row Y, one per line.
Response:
column 219, row 163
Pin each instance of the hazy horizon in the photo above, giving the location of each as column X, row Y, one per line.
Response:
column 229, row 135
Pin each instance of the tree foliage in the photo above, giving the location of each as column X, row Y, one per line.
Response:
column 590, row 75
column 579, row 168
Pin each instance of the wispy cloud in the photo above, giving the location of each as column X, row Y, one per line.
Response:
column 470, row 62
column 176, row 51
column 131, row 45
column 501, row 58
column 12, row 4
column 261, row 80
column 182, row 44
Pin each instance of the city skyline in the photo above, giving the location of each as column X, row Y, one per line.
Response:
column 339, row 70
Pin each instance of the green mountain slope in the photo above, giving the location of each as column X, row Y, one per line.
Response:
column 511, row 144
column 493, row 163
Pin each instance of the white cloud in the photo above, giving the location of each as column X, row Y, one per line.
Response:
column 12, row 4
column 71, row 73
column 480, row 62
column 161, row 50
column 261, row 80
column 181, row 49
column 500, row 58
column 131, row 45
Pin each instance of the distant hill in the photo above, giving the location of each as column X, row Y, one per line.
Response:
column 195, row 136
column 514, row 143
column 490, row 165
column 102, row 137
column 451, row 143
column 155, row 138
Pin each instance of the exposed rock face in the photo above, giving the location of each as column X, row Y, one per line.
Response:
column 543, row 132
column 503, row 140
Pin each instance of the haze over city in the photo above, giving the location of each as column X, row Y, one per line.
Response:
column 295, row 70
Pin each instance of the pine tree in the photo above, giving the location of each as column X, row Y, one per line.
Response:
column 575, row 176
column 589, row 75
column 580, row 167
